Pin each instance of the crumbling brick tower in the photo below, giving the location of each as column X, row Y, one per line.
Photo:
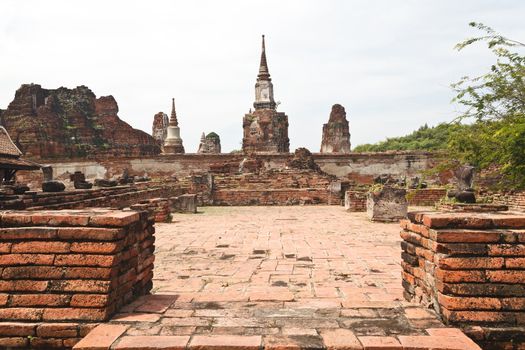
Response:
column 265, row 129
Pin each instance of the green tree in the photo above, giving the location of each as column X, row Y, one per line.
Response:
column 495, row 103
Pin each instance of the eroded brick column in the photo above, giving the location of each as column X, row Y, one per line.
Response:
column 64, row 271
column 470, row 267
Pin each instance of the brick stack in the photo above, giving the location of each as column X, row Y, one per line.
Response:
column 471, row 268
column 158, row 208
column 63, row 271
column 515, row 200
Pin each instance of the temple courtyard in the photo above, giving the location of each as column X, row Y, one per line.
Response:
column 276, row 277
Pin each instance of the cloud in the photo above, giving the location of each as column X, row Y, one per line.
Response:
column 388, row 62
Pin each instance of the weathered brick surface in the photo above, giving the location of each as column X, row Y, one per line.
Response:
column 470, row 267
column 62, row 270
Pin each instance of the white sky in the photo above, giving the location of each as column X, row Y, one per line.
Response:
column 390, row 62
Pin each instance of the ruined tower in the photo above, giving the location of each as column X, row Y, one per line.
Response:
column 173, row 142
column 336, row 133
column 265, row 129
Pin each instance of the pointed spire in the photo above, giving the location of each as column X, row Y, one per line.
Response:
column 173, row 118
column 264, row 73
column 203, row 138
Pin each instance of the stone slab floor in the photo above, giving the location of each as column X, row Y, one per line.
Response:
column 307, row 277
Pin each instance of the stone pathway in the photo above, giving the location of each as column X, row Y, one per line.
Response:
column 308, row 277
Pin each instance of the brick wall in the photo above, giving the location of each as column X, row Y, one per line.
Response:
column 515, row 200
column 274, row 197
column 115, row 197
column 64, row 271
column 470, row 267
column 425, row 197
column 158, row 208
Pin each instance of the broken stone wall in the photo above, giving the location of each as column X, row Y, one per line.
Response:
column 470, row 268
column 63, row 272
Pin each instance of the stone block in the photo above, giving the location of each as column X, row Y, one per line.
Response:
column 388, row 204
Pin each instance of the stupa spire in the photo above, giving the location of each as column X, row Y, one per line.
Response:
column 264, row 73
column 173, row 117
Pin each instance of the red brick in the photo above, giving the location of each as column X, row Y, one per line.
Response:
column 15, row 342
column 5, row 248
column 23, row 286
column 340, row 339
column 16, row 219
column 114, row 219
column 479, row 316
column 16, row 233
column 20, row 313
column 104, row 273
column 380, row 343
column 85, row 328
column 57, row 330
column 509, row 221
column 90, row 233
column 469, row 303
column 96, row 247
column 59, row 218
column 17, row 329
column 39, row 300
column 506, row 276
column 46, row 343
column 89, row 300
column 33, row 272
column 515, row 263
column 455, row 276
column 3, row 299
column 173, row 342
column 74, row 314
column 26, row 259
column 102, row 337
column 40, row 247
column 465, row 236
column 506, row 249
column 87, row 286
column 225, row 342
column 462, row 263
column 86, row 260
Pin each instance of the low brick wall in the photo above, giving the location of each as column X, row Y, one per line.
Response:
column 158, row 208
column 425, row 197
column 285, row 196
column 470, row 267
column 115, row 197
column 64, row 271
column 514, row 200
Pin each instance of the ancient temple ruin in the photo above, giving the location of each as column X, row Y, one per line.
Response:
column 265, row 129
column 160, row 127
column 210, row 143
column 173, row 142
column 336, row 133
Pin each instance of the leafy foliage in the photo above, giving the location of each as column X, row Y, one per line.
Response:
column 425, row 138
column 495, row 101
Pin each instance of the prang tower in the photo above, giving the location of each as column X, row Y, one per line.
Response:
column 265, row 129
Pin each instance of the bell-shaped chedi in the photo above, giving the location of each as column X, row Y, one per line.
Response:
column 51, row 123
column 265, row 129
column 336, row 133
column 210, row 143
column 160, row 127
column 173, row 142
